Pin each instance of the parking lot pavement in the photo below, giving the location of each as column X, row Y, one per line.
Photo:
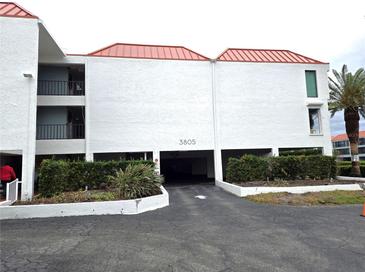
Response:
column 213, row 232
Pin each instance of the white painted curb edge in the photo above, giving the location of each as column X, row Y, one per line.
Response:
column 125, row 207
column 246, row 191
column 347, row 178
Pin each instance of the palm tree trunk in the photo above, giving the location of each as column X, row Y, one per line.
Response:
column 352, row 118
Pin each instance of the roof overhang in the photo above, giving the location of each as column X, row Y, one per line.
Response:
column 48, row 48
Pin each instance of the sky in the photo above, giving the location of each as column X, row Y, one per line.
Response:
column 327, row 30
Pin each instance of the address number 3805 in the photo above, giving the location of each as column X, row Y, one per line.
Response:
column 187, row 142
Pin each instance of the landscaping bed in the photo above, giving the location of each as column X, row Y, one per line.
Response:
column 78, row 181
column 338, row 197
column 78, row 197
column 286, row 183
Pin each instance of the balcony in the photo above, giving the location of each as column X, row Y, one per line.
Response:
column 60, row 131
column 61, row 88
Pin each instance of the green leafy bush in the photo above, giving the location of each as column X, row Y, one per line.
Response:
column 137, row 181
column 58, row 175
column 53, row 177
column 346, row 170
column 303, row 152
column 286, row 167
column 251, row 168
column 247, row 168
column 320, row 167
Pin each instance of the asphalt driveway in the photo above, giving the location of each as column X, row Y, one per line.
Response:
column 219, row 233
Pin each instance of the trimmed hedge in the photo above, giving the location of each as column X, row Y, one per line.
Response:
column 346, row 171
column 247, row 168
column 57, row 176
column 297, row 152
column 344, row 168
column 254, row 168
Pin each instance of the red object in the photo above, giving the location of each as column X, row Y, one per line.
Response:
column 10, row 9
column 265, row 56
column 363, row 211
column 343, row 137
column 148, row 52
column 7, row 173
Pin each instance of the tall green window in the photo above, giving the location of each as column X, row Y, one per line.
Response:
column 311, row 82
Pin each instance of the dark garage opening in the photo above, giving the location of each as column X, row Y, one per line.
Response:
column 13, row 160
column 187, row 166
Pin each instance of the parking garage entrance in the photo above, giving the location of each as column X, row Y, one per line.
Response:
column 187, row 166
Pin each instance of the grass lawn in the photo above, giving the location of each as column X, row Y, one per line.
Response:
column 286, row 183
column 338, row 197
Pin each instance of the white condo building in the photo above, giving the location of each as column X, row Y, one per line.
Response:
column 187, row 112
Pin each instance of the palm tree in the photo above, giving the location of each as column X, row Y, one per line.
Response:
column 347, row 92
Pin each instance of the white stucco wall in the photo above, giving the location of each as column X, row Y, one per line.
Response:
column 145, row 105
column 62, row 146
column 263, row 105
column 142, row 105
column 18, row 55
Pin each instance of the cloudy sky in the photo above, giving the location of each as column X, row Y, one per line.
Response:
column 329, row 30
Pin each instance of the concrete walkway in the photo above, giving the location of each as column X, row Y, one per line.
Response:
column 219, row 233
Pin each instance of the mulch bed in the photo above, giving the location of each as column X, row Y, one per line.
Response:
column 296, row 183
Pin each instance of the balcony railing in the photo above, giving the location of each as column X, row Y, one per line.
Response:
column 62, row 131
column 63, row 88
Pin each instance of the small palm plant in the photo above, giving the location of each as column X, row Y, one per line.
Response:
column 137, row 181
column 347, row 92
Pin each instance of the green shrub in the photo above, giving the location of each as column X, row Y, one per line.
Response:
column 58, row 175
column 348, row 163
column 346, row 170
column 137, row 181
column 247, row 168
column 303, row 152
column 52, row 177
column 251, row 168
column 320, row 167
column 286, row 167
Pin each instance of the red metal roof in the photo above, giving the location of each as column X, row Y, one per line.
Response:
column 265, row 56
column 148, row 52
column 343, row 137
column 10, row 9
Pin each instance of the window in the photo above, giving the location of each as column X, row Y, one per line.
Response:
column 344, row 151
column 311, row 83
column 362, row 141
column 341, row 144
column 314, row 121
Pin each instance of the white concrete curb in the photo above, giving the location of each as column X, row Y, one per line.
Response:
column 347, row 178
column 127, row 207
column 246, row 191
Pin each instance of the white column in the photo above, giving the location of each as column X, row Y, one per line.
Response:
column 28, row 153
column 156, row 160
column 218, row 168
column 89, row 157
column 28, row 166
column 328, row 149
column 275, row 151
